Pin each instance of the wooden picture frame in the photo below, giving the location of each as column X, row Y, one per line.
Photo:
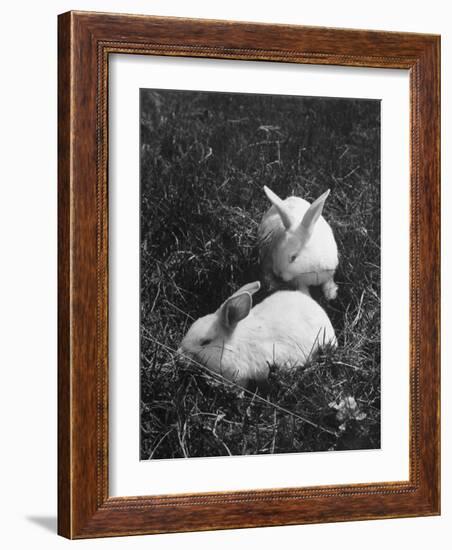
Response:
column 85, row 42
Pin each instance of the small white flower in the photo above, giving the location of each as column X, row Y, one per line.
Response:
column 347, row 409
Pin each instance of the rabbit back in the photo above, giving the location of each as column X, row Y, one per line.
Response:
column 285, row 329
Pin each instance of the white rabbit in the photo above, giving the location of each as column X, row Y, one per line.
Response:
column 240, row 343
column 297, row 245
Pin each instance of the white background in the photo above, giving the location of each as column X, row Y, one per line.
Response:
column 128, row 476
column 28, row 271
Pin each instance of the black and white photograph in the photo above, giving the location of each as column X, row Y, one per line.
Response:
column 224, row 236
column 259, row 274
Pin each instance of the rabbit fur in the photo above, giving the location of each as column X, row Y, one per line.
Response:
column 297, row 248
column 239, row 342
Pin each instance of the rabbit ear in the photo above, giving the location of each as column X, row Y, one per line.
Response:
column 251, row 288
column 282, row 209
column 236, row 308
column 312, row 214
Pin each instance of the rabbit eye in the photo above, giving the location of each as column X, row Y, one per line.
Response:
column 292, row 258
column 205, row 341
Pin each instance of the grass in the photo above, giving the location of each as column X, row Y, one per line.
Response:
column 204, row 160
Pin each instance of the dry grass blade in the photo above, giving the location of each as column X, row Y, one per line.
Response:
column 253, row 395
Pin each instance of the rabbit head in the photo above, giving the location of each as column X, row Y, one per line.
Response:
column 292, row 251
column 206, row 341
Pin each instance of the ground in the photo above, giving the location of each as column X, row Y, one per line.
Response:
column 204, row 160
